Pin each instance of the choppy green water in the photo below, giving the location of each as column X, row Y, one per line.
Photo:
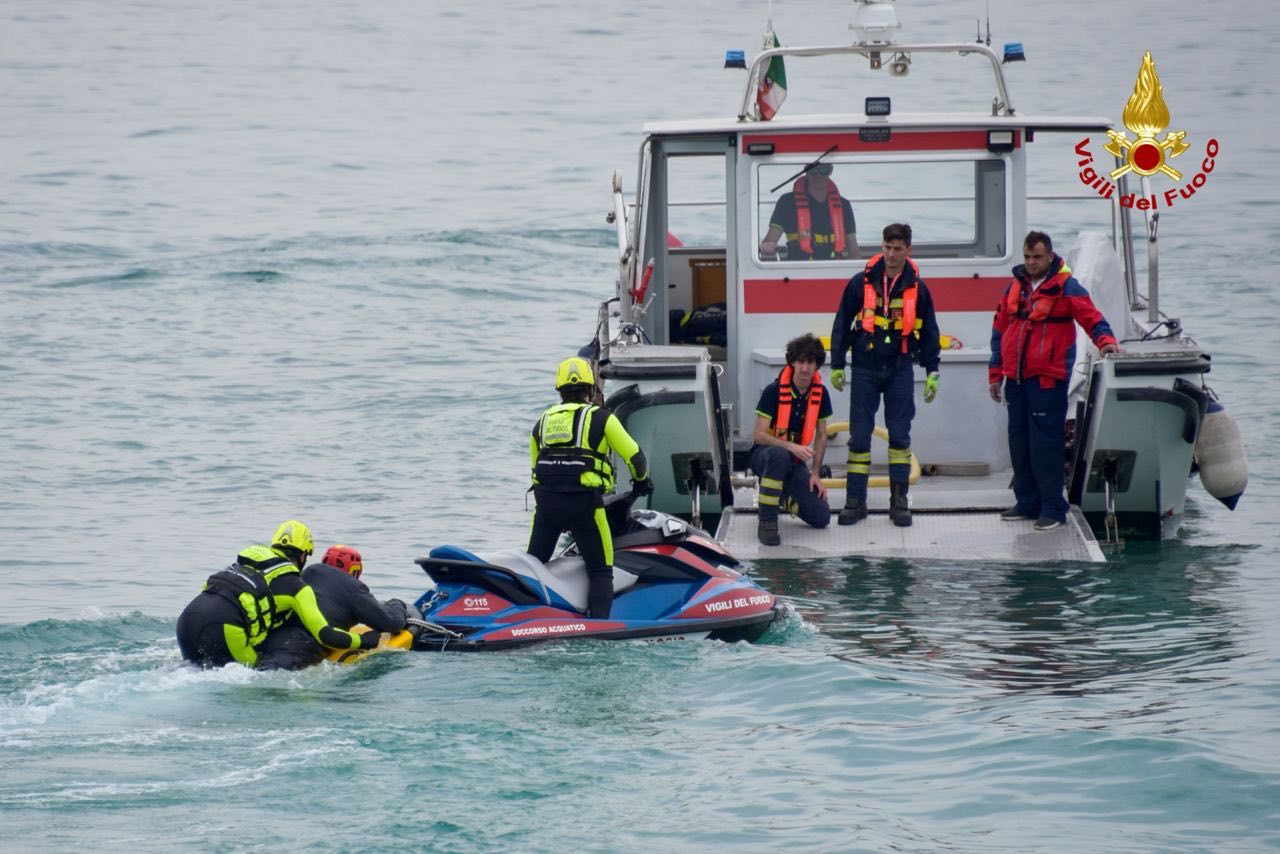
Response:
column 928, row 707
column 318, row 262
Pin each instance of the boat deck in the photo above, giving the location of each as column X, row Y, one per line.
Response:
column 954, row 519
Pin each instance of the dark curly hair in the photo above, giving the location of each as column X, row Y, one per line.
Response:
column 898, row 231
column 806, row 348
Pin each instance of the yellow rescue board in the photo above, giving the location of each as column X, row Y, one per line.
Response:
column 401, row 640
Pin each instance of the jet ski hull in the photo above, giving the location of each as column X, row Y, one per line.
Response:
column 671, row 581
column 527, row 632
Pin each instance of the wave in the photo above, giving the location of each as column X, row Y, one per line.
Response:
column 56, row 250
column 129, row 279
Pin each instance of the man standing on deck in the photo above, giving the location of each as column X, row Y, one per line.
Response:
column 886, row 318
column 816, row 219
column 790, row 440
column 1033, row 347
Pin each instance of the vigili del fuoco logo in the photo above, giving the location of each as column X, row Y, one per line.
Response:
column 1146, row 116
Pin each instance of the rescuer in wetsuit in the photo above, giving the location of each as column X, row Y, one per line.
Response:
column 239, row 605
column 569, row 450
column 343, row 599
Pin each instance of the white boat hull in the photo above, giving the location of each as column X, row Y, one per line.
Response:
column 1137, row 440
column 669, row 401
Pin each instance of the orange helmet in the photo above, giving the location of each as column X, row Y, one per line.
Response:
column 344, row 558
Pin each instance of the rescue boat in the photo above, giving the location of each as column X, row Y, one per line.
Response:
column 696, row 326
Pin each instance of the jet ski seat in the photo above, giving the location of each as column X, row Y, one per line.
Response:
column 562, row 582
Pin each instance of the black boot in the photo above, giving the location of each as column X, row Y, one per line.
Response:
column 854, row 511
column 899, row 512
column 600, row 594
column 768, row 531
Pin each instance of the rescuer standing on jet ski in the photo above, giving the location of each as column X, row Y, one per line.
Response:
column 231, row 616
column 569, row 450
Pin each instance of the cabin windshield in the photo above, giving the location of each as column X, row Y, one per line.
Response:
column 956, row 207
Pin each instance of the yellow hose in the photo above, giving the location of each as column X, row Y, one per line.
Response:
column 879, row 480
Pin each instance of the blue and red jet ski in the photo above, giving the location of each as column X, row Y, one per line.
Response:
column 670, row 580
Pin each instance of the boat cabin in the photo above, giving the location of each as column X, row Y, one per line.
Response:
column 708, row 205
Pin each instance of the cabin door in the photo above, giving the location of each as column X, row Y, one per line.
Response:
column 686, row 235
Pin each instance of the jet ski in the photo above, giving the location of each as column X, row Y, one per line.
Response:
column 671, row 581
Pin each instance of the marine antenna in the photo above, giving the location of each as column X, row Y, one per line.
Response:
column 980, row 39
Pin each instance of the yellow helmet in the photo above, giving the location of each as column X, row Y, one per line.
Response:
column 294, row 535
column 574, row 371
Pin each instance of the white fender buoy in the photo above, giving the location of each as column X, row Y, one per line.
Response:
column 1224, row 471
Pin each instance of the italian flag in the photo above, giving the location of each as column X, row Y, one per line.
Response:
column 773, row 87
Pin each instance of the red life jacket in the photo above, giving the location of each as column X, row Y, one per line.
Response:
column 1039, row 304
column 804, row 220
column 782, row 418
column 906, row 320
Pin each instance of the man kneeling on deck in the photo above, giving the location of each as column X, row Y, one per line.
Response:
column 790, row 439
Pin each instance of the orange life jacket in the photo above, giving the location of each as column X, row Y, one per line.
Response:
column 906, row 321
column 804, row 220
column 782, row 418
column 1040, row 302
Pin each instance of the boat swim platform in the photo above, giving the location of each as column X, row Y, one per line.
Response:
column 958, row 522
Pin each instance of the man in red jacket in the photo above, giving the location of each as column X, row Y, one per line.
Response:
column 1033, row 348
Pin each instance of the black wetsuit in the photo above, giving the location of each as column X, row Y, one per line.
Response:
column 569, row 449
column 239, row 605
column 201, row 633
column 345, row 601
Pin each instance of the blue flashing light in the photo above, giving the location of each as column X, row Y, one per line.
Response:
column 735, row 59
column 1013, row 52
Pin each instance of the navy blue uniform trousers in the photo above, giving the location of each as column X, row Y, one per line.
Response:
column 770, row 461
column 893, row 379
column 1037, row 446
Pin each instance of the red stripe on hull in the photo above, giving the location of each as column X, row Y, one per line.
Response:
column 738, row 602
column 475, row 605
column 546, row 629
column 541, row 613
column 816, row 143
column 822, row 296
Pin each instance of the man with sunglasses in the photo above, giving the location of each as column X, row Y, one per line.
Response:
column 817, row 221
column 343, row 599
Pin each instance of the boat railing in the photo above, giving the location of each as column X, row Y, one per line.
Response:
column 619, row 217
column 1122, row 216
column 874, row 53
column 1152, row 219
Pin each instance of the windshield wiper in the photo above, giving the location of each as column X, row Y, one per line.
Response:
column 805, row 171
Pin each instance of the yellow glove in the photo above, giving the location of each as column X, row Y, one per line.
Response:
column 837, row 378
column 930, row 387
